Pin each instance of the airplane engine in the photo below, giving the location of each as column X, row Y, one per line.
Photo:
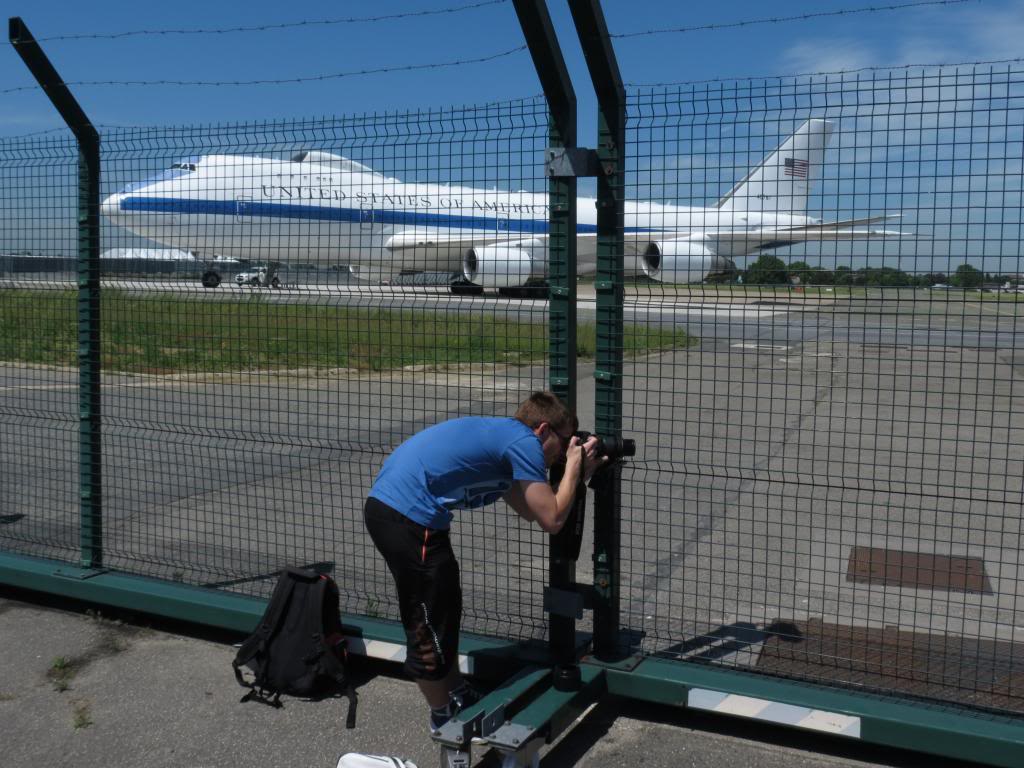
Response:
column 498, row 266
column 682, row 261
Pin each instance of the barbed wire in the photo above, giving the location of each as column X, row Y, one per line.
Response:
column 275, row 27
column 885, row 68
column 486, row 3
column 458, row 62
column 782, row 19
column 510, row 52
column 33, row 134
column 738, row 78
column 282, row 81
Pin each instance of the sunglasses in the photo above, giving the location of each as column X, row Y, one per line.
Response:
column 563, row 439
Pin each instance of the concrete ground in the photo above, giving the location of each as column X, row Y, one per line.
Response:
column 87, row 688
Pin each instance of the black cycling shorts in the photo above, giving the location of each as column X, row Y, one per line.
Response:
column 429, row 594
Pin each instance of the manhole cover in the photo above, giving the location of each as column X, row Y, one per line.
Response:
column 895, row 568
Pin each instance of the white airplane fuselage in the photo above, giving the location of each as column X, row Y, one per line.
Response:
column 280, row 211
column 322, row 209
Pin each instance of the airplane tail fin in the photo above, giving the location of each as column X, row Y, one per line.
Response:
column 782, row 182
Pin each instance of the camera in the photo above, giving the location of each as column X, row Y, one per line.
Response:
column 613, row 447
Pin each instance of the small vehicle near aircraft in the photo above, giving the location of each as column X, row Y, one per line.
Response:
column 257, row 278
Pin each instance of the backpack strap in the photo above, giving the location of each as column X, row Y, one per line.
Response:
column 325, row 599
column 353, row 700
column 257, row 643
column 261, row 696
column 314, row 611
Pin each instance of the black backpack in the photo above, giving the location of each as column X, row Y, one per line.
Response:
column 298, row 647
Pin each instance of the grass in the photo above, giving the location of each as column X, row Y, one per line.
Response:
column 1007, row 298
column 81, row 715
column 163, row 335
column 61, row 672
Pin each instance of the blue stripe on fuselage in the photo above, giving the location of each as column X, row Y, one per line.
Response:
column 325, row 213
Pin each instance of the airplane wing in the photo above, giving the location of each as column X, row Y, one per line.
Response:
column 773, row 237
column 498, row 259
column 504, row 258
column 456, row 241
column 857, row 222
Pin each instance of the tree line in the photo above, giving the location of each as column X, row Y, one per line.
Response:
column 771, row 270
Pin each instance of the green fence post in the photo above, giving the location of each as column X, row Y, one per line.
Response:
column 611, row 148
column 89, row 445
column 561, row 98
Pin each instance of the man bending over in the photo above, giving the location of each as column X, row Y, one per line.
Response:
column 464, row 464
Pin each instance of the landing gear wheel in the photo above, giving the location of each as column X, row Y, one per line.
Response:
column 275, row 283
column 466, row 288
column 210, row 279
column 525, row 292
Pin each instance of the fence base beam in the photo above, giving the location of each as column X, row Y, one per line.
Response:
column 376, row 638
column 925, row 727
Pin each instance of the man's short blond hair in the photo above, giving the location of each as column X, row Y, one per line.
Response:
column 543, row 407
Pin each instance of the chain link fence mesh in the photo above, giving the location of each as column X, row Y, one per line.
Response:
column 829, row 485
column 243, row 421
column 830, row 448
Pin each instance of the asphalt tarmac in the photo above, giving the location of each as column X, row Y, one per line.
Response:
column 87, row 689
column 788, row 439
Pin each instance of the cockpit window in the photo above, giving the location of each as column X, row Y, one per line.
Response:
column 183, row 166
column 317, row 157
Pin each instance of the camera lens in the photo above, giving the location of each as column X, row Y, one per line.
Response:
column 617, row 447
column 612, row 447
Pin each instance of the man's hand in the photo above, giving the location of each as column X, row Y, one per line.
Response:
column 584, row 457
column 537, row 502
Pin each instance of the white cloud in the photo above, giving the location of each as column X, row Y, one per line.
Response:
column 827, row 55
column 943, row 36
column 974, row 34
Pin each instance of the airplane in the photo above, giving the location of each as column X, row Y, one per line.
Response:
column 318, row 207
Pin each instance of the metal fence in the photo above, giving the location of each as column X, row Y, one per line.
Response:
column 828, row 481
column 38, row 449
column 830, row 485
column 243, row 424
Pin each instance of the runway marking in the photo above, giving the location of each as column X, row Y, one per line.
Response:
column 994, row 308
column 711, row 310
column 713, row 313
column 42, row 387
column 809, row 356
column 171, row 379
column 755, row 345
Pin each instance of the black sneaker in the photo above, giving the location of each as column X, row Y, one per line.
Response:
column 438, row 717
column 437, row 722
column 463, row 697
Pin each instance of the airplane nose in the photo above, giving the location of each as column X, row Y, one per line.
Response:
column 111, row 207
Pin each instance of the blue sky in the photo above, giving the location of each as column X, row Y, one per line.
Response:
column 979, row 30
column 887, row 156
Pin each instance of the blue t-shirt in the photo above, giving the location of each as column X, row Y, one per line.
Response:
column 458, row 464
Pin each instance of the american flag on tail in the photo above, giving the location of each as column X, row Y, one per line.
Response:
column 797, row 168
